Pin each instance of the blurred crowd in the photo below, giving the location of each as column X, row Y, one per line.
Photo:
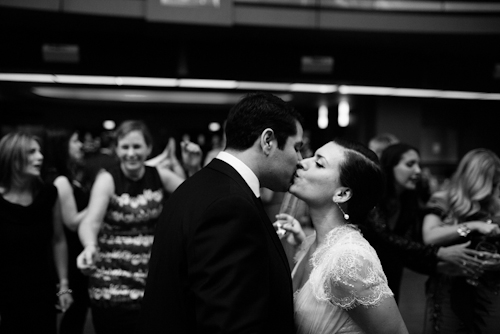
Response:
column 77, row 215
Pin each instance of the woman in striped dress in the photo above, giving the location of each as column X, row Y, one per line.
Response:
column 117, row 232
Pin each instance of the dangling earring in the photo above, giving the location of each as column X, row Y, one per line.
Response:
column 346, row 216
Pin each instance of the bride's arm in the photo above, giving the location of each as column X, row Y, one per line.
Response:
column 384, row 318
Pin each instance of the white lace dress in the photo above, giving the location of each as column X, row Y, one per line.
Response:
column 346, row 273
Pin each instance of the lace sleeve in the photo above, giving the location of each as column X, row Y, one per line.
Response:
column 349, row 277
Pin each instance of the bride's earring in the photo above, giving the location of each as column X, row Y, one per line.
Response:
column 346, row 216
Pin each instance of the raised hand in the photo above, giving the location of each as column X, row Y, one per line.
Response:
column 191, row 156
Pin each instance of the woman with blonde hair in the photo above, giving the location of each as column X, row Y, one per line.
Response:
column 467, row 210
column 33, row 249
column 117, row 232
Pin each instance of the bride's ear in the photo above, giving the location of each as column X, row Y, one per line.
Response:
column 342, row 195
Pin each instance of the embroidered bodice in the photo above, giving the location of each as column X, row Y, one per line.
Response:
column 125, row 240
column 346, row 272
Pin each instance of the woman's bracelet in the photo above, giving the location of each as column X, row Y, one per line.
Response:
column 63, row 292
column 463, row 230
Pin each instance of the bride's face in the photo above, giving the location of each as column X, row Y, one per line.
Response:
column 317, row 177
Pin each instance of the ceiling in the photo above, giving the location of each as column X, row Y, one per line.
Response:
column 123, row 46
column 133, row 47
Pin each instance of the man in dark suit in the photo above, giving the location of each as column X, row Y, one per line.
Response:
column 217, row 265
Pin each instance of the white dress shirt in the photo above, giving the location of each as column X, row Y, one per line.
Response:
column 246, row 173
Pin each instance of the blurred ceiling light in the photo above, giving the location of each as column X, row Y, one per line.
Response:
column 344, row 90
column 312, row 88
column 408, row 92
column 26, row 77
column 109, row 124
column 263, row 86
column 202, row 83
column 61, row 53
column 422, row 93
column 84, row 79
column 139, row 96
column 343, row 114
column 245, row 85
column 149, row 82
column 214, row 126
column 322, row 116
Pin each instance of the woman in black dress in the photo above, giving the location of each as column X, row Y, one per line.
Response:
column 32, row 243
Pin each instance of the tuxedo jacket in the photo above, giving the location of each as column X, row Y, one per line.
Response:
column 217, row 265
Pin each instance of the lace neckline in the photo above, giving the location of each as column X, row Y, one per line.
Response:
column 331, row 238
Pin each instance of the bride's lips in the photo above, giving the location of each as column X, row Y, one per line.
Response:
column 294, row 177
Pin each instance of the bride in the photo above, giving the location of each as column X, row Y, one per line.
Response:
column 338, row 280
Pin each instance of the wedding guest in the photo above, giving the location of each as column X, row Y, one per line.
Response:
column 168, row 159
column 117, row 231
column 394, row 229
column 458, row 300
column 380, row 142
column 218, row 145
column 32, row 244
column 64, row 167
column 103, row 158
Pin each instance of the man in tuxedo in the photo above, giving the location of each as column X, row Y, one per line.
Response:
column 217, row 265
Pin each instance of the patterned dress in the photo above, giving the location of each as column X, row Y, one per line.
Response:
column 125, row 239
column 346, row 273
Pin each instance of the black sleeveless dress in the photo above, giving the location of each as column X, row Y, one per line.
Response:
column 27, row 270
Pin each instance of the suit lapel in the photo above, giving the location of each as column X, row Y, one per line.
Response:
column 225, row 168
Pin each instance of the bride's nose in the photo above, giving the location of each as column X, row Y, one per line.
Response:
column 301, row 164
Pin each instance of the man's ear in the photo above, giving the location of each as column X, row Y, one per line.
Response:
column 342, row 195
column 266, row 140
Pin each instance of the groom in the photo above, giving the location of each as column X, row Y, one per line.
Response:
column 217, row 265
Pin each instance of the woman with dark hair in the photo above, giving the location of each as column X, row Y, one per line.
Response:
column 32, row 244
column 399, row 209
column 338, row 280
column 395, row 228
column 117, row 232
column 63, row 167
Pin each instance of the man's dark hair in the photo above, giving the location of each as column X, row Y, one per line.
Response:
column 256, row 112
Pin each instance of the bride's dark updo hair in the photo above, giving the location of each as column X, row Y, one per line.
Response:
column 360, row 171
